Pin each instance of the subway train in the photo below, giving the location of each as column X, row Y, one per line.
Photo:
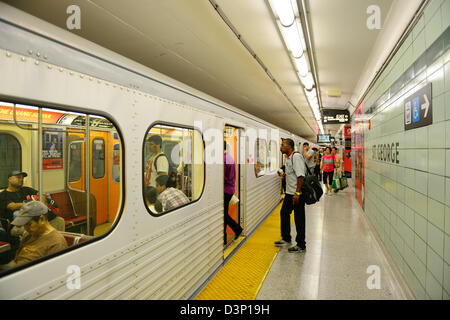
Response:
column 79, row 120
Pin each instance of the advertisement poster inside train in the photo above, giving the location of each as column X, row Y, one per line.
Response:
column 359, row 154
column 52, row 150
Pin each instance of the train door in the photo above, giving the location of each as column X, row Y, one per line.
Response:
column 98, row 176
column 232, row 139
column 104, row 173
column 113, row 175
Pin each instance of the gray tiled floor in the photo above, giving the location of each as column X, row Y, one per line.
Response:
column 340, row 248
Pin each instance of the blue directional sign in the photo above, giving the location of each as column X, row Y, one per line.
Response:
column 418, row 108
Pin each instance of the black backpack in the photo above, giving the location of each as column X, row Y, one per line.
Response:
column 311, row 188
column 172, row 172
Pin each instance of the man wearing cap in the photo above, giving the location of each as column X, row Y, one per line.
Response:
column 14, row 197
column 42, row 238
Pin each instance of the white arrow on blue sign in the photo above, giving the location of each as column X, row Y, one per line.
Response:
column 418, row 108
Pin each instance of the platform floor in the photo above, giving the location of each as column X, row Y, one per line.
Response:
column 342, row 253
column 341, row 246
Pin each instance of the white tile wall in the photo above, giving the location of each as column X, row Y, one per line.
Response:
column 436, row 161
column 435, row 239
column 447, row 222
column 436, row 213
column 436, row 135
column 433, row 287
column 436, row 187
column 417, row 229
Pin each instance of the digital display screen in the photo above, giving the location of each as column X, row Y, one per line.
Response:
column 323, row 138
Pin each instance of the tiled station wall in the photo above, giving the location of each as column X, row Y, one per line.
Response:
column 407, row 194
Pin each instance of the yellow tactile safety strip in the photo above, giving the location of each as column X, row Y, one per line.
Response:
column 243, row 275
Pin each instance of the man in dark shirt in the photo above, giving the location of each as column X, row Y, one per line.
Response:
column 13, row 198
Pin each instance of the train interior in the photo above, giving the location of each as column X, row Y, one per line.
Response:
column 50, row 146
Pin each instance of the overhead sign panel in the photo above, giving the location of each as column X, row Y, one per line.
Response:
column 418, row 109
column 335, row 116
column 323, row 138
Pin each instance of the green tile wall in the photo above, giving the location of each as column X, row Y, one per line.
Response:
column 409, row 203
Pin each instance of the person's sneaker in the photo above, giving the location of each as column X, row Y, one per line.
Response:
column 296, row 249
column 281, row 243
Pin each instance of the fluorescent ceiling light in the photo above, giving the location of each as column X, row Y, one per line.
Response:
column 311, row 93
column 302, row 66
column 292, row 39
column 23, row 106
column 284, row 10
column 308, row 81
column 320, row 126
column 316, row 114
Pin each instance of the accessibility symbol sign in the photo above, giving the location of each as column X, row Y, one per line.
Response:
column 418, row 109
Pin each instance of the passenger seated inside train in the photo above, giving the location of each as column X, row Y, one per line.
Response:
column 42, row 239
column 15, row 196
column 170, row 197
column 151, row 200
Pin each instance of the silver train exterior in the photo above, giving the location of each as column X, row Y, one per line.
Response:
column 142, row 257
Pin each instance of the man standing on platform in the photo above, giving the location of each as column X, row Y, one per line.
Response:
column 295, row 174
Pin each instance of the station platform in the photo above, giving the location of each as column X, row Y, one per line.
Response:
column 344, row 260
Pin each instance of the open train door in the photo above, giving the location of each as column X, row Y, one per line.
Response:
column 232, row 138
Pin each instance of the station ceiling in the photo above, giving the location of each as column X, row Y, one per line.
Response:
column 190, row 42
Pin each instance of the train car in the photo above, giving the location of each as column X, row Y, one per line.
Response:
column 81, row 121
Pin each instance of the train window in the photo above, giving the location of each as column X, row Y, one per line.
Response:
column 10, row 157
column 261, row 157
column 98, row 158
column 51, row 162
column 75, row 161
column 273, row 152
column 174, row 168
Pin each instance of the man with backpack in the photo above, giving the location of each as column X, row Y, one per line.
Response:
column 295, row 174
column 157, row 165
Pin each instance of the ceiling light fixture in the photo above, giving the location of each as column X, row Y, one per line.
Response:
column 308, row 81
column 302, row 66
column 292, row 39
column 284, row 10
column 288, row 20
